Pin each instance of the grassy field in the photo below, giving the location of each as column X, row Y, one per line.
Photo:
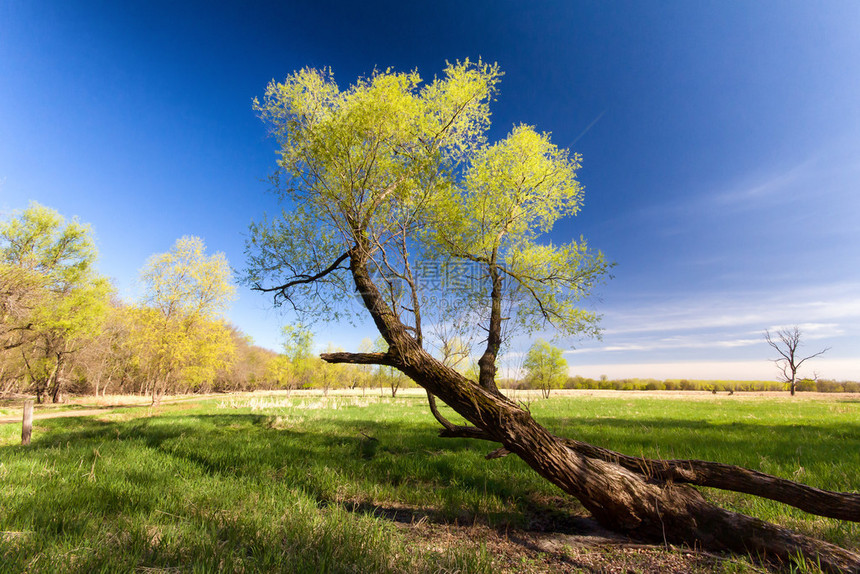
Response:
column 363, row 484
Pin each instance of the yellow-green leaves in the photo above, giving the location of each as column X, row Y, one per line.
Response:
column 39, row 240
column 186, row 281
column 280, row 371
column 51, row 297
column 180, row 330
column 364, row 166
column 546, row 367
column 51, row 262
column 521, row 186
column 353, row 159
column 547, row 281
column 513, row 191
column 397, row 174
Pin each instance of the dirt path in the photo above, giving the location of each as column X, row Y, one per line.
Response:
column 37, row 416
column 123, row 401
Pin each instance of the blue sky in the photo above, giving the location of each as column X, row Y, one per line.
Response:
column 720, row 144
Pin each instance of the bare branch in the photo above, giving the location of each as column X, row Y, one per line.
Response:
column 303, row 279
column 451, row 430
column 787, row 346
column 360, row 358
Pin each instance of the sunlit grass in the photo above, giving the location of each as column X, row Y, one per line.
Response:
column 317, row 484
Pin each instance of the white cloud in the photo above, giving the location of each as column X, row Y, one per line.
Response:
column 743, row 194
column 693, row 342
column 838, row 369
column 821, row 309
column 719, row 335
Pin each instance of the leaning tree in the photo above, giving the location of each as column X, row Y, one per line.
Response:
column 396, row 205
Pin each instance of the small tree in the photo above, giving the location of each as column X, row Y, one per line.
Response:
column 545, row 366
column 331, row 375
column 280, row 371
column 386, row 375
column 787, row 343
column 365, row 372
column 182, row 332
column 298, row 341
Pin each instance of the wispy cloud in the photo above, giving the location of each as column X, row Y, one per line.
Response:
column 823, row 309
column 720, row 333
column 694, row 342
column 775, row 184
column 839, row 369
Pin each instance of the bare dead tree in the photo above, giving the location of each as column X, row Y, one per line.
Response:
column 787, row 343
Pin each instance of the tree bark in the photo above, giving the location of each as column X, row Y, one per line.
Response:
column 653, row 506
column 487, row 362
column 56, row 381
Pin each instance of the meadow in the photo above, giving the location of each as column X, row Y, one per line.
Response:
column 351, row 483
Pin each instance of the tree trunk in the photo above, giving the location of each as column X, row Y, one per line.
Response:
column 636, row 503
column 487, row 362
column 57, row 383
column 52, row 385
column 157, row 392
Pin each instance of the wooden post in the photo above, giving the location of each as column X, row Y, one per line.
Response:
column 27, row 426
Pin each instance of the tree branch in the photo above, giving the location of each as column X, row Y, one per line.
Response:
column 360, row 358
column 839, row 505
column 451, row 430
column 303, row 279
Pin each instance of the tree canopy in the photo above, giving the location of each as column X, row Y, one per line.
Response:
column 448, row 224
column 52, row 296
column 180, row 328
column 545, row 366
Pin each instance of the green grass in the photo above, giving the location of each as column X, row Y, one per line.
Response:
column 313, row 485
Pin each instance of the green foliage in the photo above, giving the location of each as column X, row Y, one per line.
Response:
column 53, row 299
column 546, row 367
column 185, row 282
column 636, row 384
column 402, row 171
column 179, row 332
column 249, row 369
column 513, row 192
column 387, row 376
column 41, row 241
column 298, row 349
column 57, row 258
column 365, row 160
column 298, row 342
column 62, row 330
column 280, row 370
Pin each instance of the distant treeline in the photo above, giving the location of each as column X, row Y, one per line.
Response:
column 804, row 385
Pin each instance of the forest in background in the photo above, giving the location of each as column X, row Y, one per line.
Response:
column 63, row 330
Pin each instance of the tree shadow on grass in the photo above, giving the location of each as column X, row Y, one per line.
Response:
column 249, row 443
column 330, row 463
